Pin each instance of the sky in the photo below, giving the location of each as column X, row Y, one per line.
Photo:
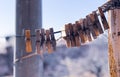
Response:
column 55, row 13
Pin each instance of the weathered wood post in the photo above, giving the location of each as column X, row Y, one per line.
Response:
column 28, row 16
column 114, row 42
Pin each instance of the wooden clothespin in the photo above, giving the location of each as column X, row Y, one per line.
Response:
column 38, row 38
column 90, row 24
column 53, row 40
column 99, row 26
column 72, row 38
column 95, row 28
column 42, row 40
column 103, row 19
column 82, row 31
column 28, row 41
column 48, row 42
column 87, row 30
column 67, row 37
column 76, row 35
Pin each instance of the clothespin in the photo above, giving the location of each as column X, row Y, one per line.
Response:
column 72, row 38
column 38, row 38
column 76, row 35
column 103, row 19
column 48, row 42
column 82, row 31
column 95, row 28
column 99, row 26
column 90, row 24
column 87, row 30
column 67, row 37
column 28, row 41
column 53, row 40
column 42, row 40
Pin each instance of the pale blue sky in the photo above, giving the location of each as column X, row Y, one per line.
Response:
column 56, row 13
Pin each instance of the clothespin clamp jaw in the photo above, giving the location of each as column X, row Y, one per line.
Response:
column 103, row 19
column 28, row 41
column 53, row 40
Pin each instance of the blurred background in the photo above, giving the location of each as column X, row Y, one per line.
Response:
column 89, row 60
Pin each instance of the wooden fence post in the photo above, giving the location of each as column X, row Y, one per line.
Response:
column 114, row 42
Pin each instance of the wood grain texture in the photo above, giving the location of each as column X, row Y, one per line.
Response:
column 114, row 42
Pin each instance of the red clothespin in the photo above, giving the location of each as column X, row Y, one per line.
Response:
column 28, row 41
column 53, row 40
column 76, row 35
column 48, row 42
column 99, row 26
column 103, row 19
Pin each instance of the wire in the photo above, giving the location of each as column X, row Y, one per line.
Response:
column 110, row 5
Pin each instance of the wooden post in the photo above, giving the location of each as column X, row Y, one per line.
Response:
column 114, row 42
column 28, row 16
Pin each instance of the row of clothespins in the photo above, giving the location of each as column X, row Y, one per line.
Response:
column 85, row 29
column 81, row 31
column 45, row 39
